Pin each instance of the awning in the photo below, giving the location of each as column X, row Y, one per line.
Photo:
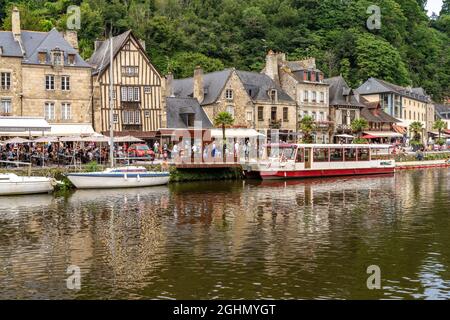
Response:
column 384, row 134
column 399, row 129
column 369, row 136
column 345, row 136
column 236, row 133
column 20, row 126
column 66, row 129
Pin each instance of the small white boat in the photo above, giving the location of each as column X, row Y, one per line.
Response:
column 127, row 177
column 11, row 184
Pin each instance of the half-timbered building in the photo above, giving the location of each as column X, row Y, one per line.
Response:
column 137, row 93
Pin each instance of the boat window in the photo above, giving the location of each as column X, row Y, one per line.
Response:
column 274, row 152
column 307, row 155
column 320, row 155
column 300, row 155
column 363, row 154
column 350, row 154
column 336, row 155
column 288, row 153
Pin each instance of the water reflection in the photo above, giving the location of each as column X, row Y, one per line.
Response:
column 288, row 240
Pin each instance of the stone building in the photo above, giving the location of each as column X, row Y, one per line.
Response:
column 42, row 75
column 254, row 99
column 137, row 88
column 406, row 104
column 303, row 82
column 344, row 105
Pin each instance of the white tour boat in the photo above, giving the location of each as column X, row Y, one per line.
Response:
column 127, row 177
column 12, row 184
column 322, row 160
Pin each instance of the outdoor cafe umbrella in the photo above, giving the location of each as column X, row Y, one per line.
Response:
column 46, row 139
column 127, row 139
column 16, row 140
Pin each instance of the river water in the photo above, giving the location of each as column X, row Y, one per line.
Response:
column 306, row 239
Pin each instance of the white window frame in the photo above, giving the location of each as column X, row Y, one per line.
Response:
column 65, row 83
column 147, row 90
column 50, row 82
column 49, row 111
column 5, row 80
column 6, row 105
column 249, row 115
column 230, row 110
column 115, row 118
column 229, row 94
column 305, row 96
column 66, row 111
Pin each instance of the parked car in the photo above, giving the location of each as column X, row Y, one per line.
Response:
column 140, row 150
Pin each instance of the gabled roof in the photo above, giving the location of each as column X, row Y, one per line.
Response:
column 259, row 84
column 10, row 46
column 213, row 83
column 376, row 86
column 178, row 107
column 100, row 58
column 256, row 84
column 442, row 111
column 35, row 42
column 373, row 112
column 339, row 91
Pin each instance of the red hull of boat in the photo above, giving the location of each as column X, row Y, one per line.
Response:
column 323, row 173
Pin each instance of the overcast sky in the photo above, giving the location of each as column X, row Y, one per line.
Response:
column 434, row 6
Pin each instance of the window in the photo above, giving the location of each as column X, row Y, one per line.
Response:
column 71, row 58
column 49, row 111
column 229, row 94
column 115, row 118
column 66, row 113
column 58, row 58
column 114, row 94
column 285, row 114
column 336, row 155
column 147, row 113
column 230, row 110
column 273, row 95
column 320, row 155
column 5, row 106
column 322, row 116
column 260, row 113
column 322, row 97
column 130, row 71
column 364, row 154
column 305, row 96
column 131, row 117
column 350, row 154
column 300, row 155
column 147, row 90
column 314, row 115
column 50, row 82
column 65, row 83
column 273, row 114
column 130, row 94
column 5, row 80
column 410, row 114
column 314, row 96
column 249, row 116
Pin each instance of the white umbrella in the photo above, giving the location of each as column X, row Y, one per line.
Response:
column 345, row 136
column 16, row 140
column 95, row 139
column 127, row 139
column 71, row 139
column 45, row 139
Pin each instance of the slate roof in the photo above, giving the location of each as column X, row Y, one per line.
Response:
column 100, row 58
column 373, row 112
column 176, row 107
column 375, row 86
column 34, row 42
column 255, row 83
column 442, row 111
column 339, row 89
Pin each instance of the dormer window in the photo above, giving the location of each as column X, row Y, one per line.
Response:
column 273, row 95
column 1, row 50
column 42, row 56
column 57, row 57
column 229, row 94
column 71, row 58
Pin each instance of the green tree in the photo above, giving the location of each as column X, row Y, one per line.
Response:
column 359, row 125
column 223, row 120
column 416, row 128
column 183, row 64
column 307, row 126
column 439, row 125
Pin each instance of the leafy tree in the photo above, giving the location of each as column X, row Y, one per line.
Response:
column 183, row 64
column 307, row 126
column 223, row 120
column 359, row 125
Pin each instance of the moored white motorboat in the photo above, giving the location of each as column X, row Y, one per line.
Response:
column 127, row 177
column 12, row 184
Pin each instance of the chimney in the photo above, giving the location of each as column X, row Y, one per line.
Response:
column 15, row 23
column 272, row 66
column 169, row 85
column 71, row 37
column 199, row 92
column 97, row 44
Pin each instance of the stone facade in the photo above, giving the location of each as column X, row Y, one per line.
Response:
column 11, row 95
